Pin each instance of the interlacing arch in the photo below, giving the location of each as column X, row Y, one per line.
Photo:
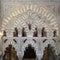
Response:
column 32, row 43
column 38, row 16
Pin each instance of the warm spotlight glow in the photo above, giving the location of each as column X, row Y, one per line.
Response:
column 8, row 18
column 18, row 11
column 1, row 33
column 13, row 14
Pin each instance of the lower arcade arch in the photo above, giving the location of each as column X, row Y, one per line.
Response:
column 49, row 53
column 30, row 52
column 10, row 53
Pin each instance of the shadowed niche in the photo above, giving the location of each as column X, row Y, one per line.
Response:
column 29, row 52
column 49, row 53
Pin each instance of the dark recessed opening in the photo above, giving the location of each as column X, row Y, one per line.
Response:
column 29, row 52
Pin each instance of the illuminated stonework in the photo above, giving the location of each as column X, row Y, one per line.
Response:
column 33, row 14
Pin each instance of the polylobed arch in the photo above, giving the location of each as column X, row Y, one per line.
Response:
column 31, row 51
column 31, row 42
